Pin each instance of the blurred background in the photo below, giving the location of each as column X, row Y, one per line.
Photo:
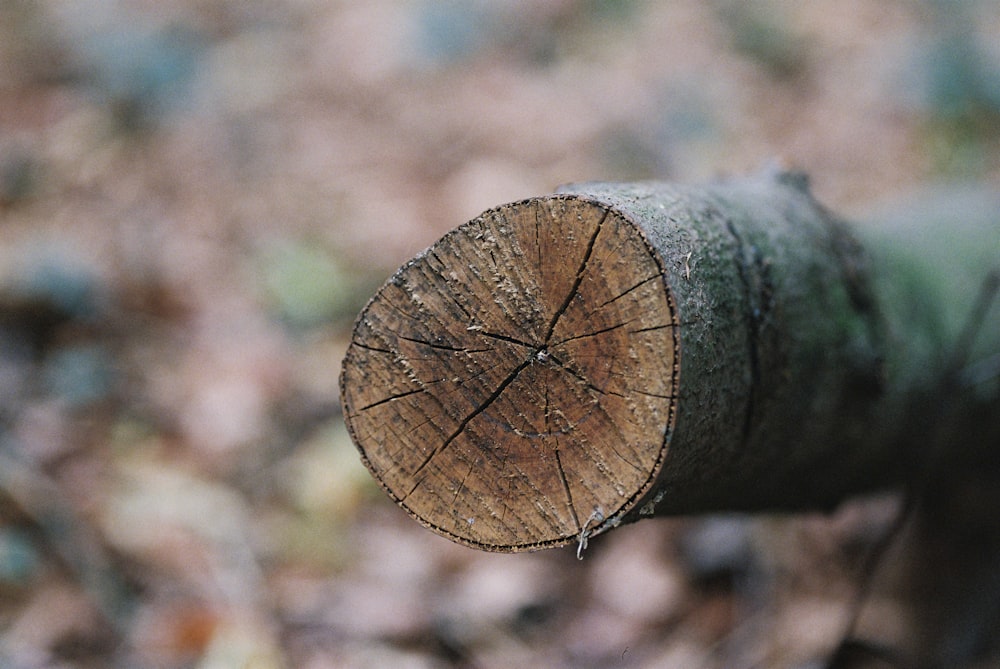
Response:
column 198, row 196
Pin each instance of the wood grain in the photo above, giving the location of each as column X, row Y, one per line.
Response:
column 518, row 378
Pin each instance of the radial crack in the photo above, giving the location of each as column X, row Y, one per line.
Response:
column 597, row 332
column 651, row 328
column 506, row 338
column 538, row 244
column 625, row 460
column 374, row 349
column 442, row 347
column 468, row 419
column 582, row 379
column 649, row 394
column 579, row 278
column 569, row 495
column 391, row 398
column 461, row 486
column 623, row 294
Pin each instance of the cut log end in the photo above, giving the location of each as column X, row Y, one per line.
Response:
column 517, row 381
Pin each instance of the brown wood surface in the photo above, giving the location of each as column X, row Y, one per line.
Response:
column 515, row 383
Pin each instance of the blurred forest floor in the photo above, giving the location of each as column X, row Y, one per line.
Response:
column 197, row 197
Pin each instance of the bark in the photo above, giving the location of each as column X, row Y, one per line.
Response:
column 559, row 366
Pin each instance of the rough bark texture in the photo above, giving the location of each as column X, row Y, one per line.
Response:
column 565, row 364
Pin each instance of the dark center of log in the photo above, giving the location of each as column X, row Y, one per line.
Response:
column 517, row 380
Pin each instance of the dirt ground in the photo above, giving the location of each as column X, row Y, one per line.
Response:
column 196, row 199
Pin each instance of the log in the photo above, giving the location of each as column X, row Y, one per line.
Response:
column 560, row 366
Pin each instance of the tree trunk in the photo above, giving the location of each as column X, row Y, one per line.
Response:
column 562, row 365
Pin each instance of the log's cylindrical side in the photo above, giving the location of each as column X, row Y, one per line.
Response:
column 782, row 347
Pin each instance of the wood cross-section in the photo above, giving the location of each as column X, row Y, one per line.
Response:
column 501, row 389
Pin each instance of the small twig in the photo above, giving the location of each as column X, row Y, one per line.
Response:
column 596, row 517
column 878, row 551
column 76, row 543
column 988, row 292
